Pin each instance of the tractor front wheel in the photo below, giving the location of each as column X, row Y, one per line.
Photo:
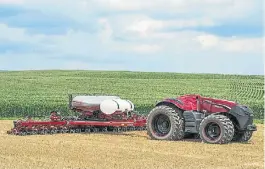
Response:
column 165, row 123
column 216, row 129
column 242, row 137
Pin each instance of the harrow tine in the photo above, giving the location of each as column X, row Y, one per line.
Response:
column 34, row 132
column 78, row 130
column 105, row 129
column 87, row 130
column 45, row 131
column 124, row 129
column 52, row 131
column 95, row 130
column 72, row 131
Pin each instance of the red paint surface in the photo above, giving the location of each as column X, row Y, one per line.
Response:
column 190, row 103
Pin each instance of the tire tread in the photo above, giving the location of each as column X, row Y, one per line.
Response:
column 228, row 128
column 173, row 114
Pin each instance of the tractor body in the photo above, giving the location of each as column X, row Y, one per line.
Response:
column 214, row 120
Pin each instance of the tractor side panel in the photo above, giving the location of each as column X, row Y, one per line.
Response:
column 180, row 103
column 211, row 108
column 209, row 104
column 170, row 104
column 192, row 121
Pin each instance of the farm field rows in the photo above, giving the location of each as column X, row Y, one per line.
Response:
column 130, row 150
column 39, row 92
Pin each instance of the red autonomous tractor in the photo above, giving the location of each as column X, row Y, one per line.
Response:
column 214, row 120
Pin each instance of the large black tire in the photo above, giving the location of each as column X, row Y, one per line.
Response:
column 243, row 136
column 167, row 119
column 216, row 129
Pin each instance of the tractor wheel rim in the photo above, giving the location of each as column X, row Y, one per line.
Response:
column 213, row 131
column 161, row 125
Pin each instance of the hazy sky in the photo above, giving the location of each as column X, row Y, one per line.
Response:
column 209, row 36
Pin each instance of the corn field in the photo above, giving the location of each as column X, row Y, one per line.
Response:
column 39, row 92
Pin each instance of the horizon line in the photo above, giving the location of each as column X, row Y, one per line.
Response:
column 102, row 70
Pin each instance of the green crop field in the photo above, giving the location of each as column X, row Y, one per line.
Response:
column 39, row 92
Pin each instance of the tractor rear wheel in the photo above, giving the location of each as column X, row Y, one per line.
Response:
column 242, row 137
column 216, row 129
column 165, row 123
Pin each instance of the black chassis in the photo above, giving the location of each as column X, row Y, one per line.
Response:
column 242, row 117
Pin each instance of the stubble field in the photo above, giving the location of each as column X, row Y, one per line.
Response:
column 130, row 150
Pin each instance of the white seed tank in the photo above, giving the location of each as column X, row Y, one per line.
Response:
column 110, row 106
column 90, row 100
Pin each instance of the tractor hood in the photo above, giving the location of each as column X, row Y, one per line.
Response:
column 189, row 102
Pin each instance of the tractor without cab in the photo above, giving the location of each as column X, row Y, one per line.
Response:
column 215, row 121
